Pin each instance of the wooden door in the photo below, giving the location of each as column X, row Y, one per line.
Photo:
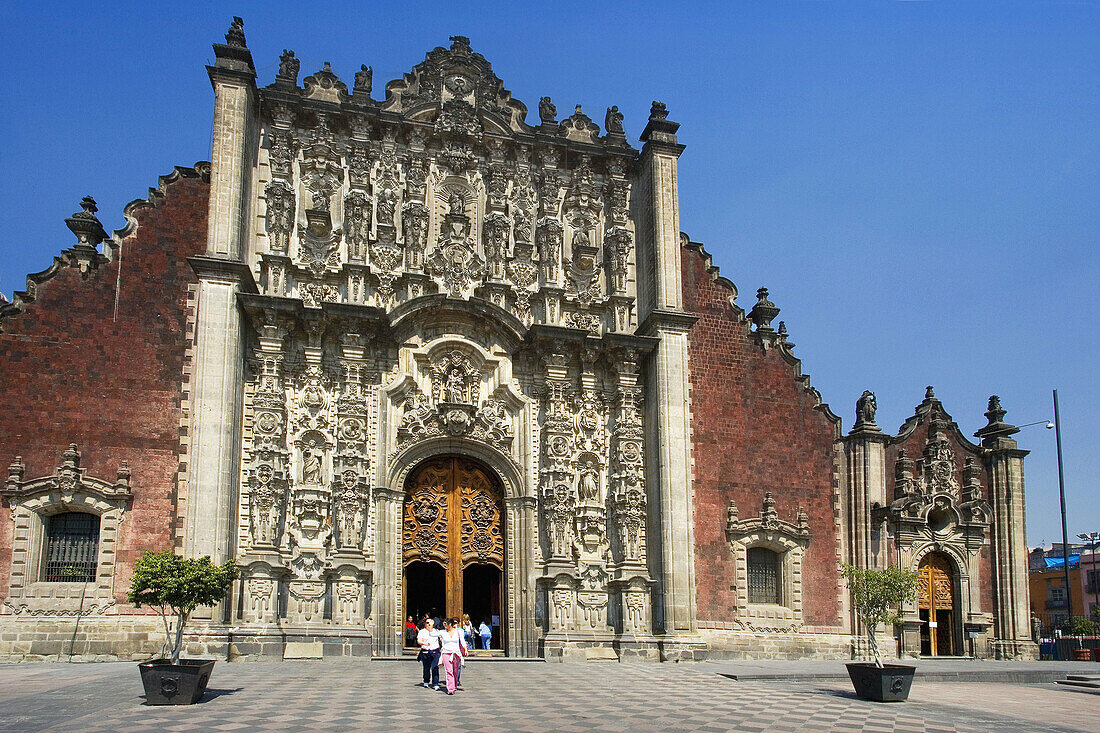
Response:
column 936, row 601
column 453, row 518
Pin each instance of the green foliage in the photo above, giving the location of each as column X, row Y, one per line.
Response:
column 1080, row 626
column 877, row 595
column 167, row 581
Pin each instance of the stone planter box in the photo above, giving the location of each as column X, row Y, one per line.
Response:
column 175, row 684
column 891, row 683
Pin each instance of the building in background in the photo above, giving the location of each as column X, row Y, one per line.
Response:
column 419, row 355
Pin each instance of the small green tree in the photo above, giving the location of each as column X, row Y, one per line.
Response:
column 877, row 595
column 178, row 585
column 1079, row 626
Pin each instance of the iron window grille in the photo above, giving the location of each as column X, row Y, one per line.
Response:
column 72, row 547
column 763, row 576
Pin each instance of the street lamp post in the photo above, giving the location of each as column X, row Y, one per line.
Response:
column 1062, row 498
column 1093, row 540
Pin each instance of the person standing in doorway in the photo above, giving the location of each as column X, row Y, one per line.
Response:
column 410, row 632
column 428, row 639
column 468, row 630
column 452, row 643
column 486, row 634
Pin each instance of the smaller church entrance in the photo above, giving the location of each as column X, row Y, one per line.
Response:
column 936, row 603
column 454, row 544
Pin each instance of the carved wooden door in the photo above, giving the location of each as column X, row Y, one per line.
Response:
column 453, row 518
column 936, row 597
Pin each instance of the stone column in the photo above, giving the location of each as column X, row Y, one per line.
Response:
column 1005, row 463
column 865, row 452
column 655, row 205
column 217, row 378
column 388, row 623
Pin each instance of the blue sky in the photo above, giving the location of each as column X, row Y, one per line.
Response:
column 916, row 182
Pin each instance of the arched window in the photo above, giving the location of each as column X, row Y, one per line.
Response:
column 72, row 546
column 765, row 585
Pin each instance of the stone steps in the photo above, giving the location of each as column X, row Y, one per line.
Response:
column 1091, row 681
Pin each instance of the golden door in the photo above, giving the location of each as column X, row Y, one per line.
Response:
column 453, row 520
column 936, row 601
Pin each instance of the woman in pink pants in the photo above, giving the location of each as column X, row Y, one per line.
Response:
column 454, row 646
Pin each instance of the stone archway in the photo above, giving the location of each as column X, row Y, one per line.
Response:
column 453, row 542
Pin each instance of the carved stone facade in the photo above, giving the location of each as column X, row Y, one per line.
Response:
column 422, row 338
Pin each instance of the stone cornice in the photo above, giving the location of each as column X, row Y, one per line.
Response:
column 217, row 268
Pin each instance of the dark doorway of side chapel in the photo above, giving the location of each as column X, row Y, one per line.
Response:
column 453, row 544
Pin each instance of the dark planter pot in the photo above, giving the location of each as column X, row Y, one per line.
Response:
column 889, row 684
column 175, row 684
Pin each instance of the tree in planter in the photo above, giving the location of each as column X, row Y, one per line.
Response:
column 176, row 585
column 877, row 595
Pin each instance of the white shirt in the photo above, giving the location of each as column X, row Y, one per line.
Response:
column 428, row 640
column 452, row 641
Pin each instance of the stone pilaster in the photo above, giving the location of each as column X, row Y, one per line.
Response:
column 386, row 611
column 1005, row 462
column 655, row 205
column 217, row 373
column 865, row 454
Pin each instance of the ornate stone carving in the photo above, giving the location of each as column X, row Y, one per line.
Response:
column 496, row 229
column 455, row 262
column 352, row 497
column 619, row 244
column 549, row 235
column 317, row 245
column 866, row 406
column 280, row 215
column 266, row 503
column 357, row 216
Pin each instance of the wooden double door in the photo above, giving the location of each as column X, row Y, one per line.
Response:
column 453, row 542
column 936, row 604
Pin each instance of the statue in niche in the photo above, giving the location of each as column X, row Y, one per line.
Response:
column 311, row 466
column 456, row 203
column 581, row 238
column 588, row 485
column 454, row 389
column 386, row 207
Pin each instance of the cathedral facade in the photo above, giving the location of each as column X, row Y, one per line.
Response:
column 420, row 355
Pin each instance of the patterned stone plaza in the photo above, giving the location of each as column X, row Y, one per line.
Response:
column 512, row 696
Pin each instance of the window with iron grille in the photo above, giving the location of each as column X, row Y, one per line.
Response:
column 72, row 546
column 763, row 575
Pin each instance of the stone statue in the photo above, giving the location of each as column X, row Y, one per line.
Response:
column 547, row 111
column 364, row 79
column 456, row 203
column 288, row 66
column 613, row 121
column 311, row 467
column 866, row 406
column 386, row 208
column 455, row 389
column 588, row 488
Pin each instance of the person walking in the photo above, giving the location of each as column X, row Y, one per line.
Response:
column 468, row 630
column 410, row 632
column 486, row 634
column 452, row 643
column 428, row 639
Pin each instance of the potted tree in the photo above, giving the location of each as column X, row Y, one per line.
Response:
column 175, row 586
column 876, row 597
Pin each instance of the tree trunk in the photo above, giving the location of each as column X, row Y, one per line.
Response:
column 181, row 619
column 874, row 645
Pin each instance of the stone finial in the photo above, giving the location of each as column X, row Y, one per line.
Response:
column 763, row 312
column 460, row 44
column 122, row 476
column 235, row 35
column 84, row 224
column 768, row 514
column 364, row 80
column 547, row 112
column 71, row 457
column 732, row 517
column 15, row 472
column 781, row 336
column 996, row 426
column 613, row 121
column 288, row 68
column 659, row 128
column 803, row 520
column 866, row 406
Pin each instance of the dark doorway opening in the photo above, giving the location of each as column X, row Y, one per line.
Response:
column 481, row 598
column 425, row 590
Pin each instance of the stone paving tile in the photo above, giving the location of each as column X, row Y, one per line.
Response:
column 519, row 697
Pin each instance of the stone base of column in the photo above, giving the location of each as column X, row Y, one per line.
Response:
column 269, row 643
column 683, row 648
column 560, row 647
column 1013, row 649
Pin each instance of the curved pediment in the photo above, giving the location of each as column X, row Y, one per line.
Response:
column 440, row 313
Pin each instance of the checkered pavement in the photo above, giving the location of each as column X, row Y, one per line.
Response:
column 518, row 696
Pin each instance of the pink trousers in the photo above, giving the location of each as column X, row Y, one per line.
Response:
column 450, row 664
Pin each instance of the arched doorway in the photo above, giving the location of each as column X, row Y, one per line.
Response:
column 453, row 543
column 936, row 604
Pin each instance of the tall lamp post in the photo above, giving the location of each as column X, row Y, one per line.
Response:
column 1093, row 541
column 1062, row 498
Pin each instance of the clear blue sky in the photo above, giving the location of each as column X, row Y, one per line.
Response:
column 916, row 182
